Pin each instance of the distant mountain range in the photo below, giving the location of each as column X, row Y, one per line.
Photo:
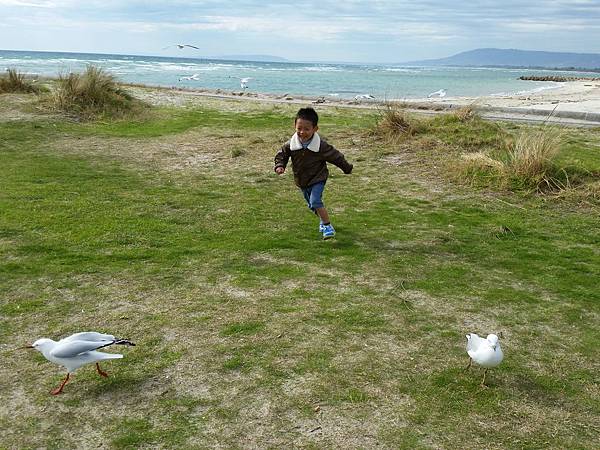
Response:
column 497, row 57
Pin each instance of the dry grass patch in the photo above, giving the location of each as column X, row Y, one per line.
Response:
column 526, row 161
column 17, row 82
column 396, row 123
column 465, row 113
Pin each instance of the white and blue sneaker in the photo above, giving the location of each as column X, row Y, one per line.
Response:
column 321, row 227
column 328, row 231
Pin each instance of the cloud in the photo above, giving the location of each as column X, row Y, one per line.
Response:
column 435, row 27
column 30, row 4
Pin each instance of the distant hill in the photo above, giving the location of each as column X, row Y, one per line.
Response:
column 496, row 57
column 257, row 58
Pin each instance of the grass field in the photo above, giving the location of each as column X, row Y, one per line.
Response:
column 172, row 230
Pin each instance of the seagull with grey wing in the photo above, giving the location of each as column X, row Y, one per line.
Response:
column 194, row 77
column 78, row 350
column 441, row 93
column 181, row 46
column 485, row 352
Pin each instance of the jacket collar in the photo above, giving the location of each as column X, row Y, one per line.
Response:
column 314, row 145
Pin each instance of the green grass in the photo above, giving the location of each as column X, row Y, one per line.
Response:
column 253, row 331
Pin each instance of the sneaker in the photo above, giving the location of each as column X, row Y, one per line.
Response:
column 321, row 228
column 328, row 232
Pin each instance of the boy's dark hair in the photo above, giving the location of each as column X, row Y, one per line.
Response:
column 307, row 114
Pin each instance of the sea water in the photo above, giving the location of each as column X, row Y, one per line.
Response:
column 383, row 81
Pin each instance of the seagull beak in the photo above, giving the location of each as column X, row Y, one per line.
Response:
column 27, row 346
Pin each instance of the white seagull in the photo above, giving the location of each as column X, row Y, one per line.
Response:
column 441, row 93
column 77, row 350
column 194, row 77
column 181, row 46
column 485, row 352
column 244, row 82
column 364, row 97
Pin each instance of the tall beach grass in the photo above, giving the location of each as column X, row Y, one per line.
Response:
column 93, row 93
column 16, row 82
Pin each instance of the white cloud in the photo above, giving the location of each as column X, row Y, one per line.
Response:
column 31, row 4
column 429, row 27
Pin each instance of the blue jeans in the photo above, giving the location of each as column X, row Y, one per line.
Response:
column 313, row 195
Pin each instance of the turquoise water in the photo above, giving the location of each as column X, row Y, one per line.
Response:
column 336, row 80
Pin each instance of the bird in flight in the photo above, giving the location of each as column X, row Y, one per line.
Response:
column 181, row 46
column 189, row 77
column 244, row 82
column 441, row 93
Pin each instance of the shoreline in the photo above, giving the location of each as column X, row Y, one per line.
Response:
column 571, row 100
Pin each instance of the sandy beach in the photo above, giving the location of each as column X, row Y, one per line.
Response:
column 572, row 102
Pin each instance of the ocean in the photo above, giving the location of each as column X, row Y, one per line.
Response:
column 383, row 81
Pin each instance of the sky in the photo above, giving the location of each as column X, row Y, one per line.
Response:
column 373, row 31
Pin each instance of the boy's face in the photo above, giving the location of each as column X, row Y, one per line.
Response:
column 305, row 129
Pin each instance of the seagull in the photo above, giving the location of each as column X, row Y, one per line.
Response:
column 364, row 97
column 190, row 77
column 181, row 46
column 77, row 350
column 441, row 93
column 485, row 352
column 244, row 82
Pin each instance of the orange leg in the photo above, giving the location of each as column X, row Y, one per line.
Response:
column 100, row 371
column 59, row 389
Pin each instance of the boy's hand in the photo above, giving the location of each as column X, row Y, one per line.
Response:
column 279, row 170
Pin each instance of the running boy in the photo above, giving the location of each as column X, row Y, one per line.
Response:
column 310, row 155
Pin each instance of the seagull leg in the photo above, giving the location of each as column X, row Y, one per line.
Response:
column 469, row 366
column 100, row 371
column 59, row 389
column 483, row 381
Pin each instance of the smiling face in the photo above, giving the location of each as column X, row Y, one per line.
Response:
column 305, row 129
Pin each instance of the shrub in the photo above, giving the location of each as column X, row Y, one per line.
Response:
column 530, row 157
column 525, row 162
column 394, row 122
column 15, row 81
column 92, row 93
column 465, row 113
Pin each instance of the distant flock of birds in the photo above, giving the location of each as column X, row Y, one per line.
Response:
column 79, row 349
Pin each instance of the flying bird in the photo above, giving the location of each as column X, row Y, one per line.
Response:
column 485, row 352
column 441, row 93
column 364, row 97
column 77, row 350
column 194, row 77
column 244, row 82
column 181, row 46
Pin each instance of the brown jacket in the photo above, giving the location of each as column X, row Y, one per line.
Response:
column 310, row 165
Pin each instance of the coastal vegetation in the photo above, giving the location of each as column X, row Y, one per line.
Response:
column 483, row 153
column 171, row 229
column 92, row 94
column 16, row 82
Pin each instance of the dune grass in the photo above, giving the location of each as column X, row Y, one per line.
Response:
column 254, row 333
column 92, row 94
column 16, row 82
